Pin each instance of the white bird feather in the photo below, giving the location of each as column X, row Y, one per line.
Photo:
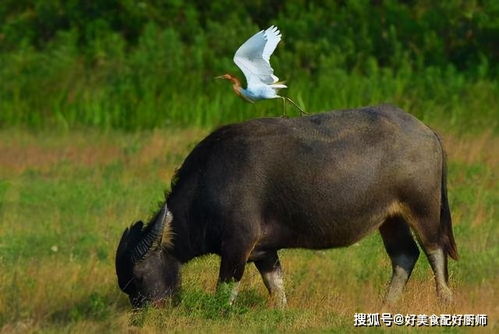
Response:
column 253, row 58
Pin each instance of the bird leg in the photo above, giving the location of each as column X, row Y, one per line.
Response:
column 302, row 112
column 284, row 107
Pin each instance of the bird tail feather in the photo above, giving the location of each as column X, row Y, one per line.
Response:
column 279, row 84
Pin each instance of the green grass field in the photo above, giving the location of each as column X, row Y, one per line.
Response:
column 65, row 198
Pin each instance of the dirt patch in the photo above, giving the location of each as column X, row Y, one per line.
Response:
column 159, row 144
column 16, row 158
column 21, row 151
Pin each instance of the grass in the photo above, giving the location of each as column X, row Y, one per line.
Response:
column 65, row 198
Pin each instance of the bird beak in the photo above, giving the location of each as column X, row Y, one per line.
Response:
column 219, row 77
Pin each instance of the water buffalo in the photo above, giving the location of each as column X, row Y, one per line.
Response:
column 316, row 182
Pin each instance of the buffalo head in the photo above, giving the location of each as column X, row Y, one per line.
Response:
column 145, row 270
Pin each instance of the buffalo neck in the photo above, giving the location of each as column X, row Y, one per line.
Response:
column 188, row 236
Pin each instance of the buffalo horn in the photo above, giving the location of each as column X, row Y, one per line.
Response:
column 151, row 237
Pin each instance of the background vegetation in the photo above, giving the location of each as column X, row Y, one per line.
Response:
column 100, row 101
column 145, row 64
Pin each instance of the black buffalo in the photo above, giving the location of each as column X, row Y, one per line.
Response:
column 322, row 181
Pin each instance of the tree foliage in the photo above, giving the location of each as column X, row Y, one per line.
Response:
column 459, row 32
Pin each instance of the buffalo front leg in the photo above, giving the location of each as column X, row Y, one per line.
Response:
column 232, row 267
column 271, row 271
column 403, row 252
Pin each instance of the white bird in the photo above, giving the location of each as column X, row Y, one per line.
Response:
column 253, row 59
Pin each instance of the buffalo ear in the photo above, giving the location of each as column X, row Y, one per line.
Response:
column 167, row 237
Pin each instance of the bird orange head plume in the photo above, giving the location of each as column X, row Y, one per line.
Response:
column 225, row 76
column 236, row 84
column 229, row 77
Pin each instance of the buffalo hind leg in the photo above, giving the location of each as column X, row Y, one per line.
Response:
column 271, row 271
column 403, row 252
column 438, row 262
column 430, row 241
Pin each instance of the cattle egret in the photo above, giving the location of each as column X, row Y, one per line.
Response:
column 253, row 59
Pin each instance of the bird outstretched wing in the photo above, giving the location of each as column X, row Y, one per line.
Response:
column 253, row 57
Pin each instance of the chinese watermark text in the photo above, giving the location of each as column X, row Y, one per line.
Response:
column 419, row 320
